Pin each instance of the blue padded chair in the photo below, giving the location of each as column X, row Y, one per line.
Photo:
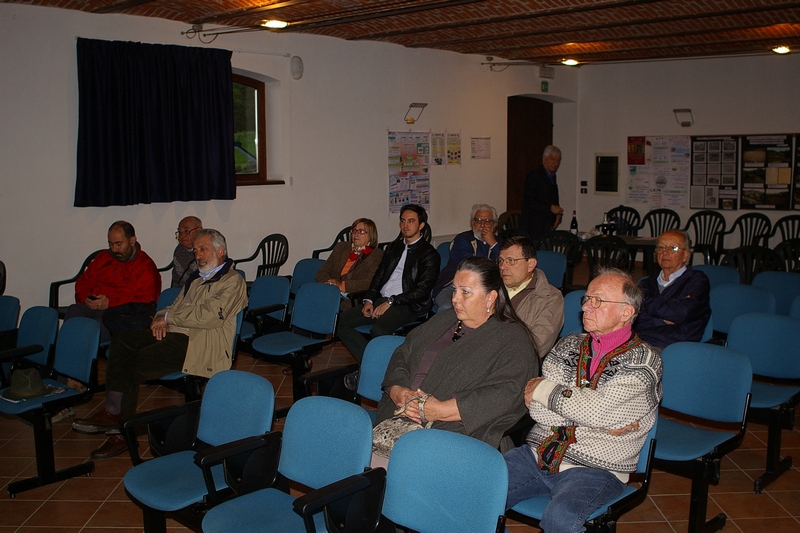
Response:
column 709, row 383
column 794, row 309
column 37, row 327
column 606, row 516
column 325, row 440
column 236, row 405
column 9, row 312
column 305, row 271
column 729, row 301
column 267, row 306
column 763, row 338
column 468, row 477
column 313, row 327
column 376, row 359
column 444, row 253
column 719, row 275
column 785, row 286
column 75, row 357
column 554, row 266
column 166, row 297
column 573, row 321
column 708, row 333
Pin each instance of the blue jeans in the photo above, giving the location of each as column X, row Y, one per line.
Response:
column 574, row 493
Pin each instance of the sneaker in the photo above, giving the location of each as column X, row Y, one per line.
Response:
column 351, row 381
column 97, row 423
column 61, row 415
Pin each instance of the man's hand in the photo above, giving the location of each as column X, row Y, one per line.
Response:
column 98, row 303
column 556, row 209
column 382, row 308
column 366, row 310
column 487, row 236
column 529, row 388
column 630, row 428
column 159, row 327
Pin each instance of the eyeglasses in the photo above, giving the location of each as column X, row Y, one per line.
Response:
column 481, row 221
column 597, row 301
column 185, row 231
column 510, row 260
column 661, row 249
column 358, row 232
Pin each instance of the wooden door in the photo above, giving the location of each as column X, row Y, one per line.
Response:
column 530, row 130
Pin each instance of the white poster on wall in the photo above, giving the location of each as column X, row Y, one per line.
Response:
column 659, row 171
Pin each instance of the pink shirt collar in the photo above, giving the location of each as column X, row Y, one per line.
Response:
column 602, row 344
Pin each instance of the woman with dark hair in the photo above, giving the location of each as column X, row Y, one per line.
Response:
column 352, row 264
column 465, row 369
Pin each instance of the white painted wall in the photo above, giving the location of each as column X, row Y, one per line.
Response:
column 731, row 96
column 330, row 146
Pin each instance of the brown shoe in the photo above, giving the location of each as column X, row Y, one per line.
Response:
column 112, row 447
column 97, row 423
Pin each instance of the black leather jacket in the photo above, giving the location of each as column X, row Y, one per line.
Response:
column 419, row 274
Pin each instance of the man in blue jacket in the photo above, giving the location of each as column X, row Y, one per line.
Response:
column 676, row 302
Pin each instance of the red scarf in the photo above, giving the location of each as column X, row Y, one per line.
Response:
column 355, row 253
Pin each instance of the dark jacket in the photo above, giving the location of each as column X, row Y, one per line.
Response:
column 464, row 245
column 419, row 274
column 685, row 302
column 540, row 194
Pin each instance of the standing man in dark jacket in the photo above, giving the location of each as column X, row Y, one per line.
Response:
column 676, row 303
column 401, row 288
column 541, row 212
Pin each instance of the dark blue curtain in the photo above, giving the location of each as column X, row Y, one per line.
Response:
column 155, row 124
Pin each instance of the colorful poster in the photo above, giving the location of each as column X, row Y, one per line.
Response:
column 438, row 148
column 409, row 172
column 453, row 148
column 766, row 169
column 659, row 176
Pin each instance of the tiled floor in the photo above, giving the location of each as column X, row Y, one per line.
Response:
column 99, row 503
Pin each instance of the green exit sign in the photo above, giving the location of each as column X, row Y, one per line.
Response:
column 545, row 86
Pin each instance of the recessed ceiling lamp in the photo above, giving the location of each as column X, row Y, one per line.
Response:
column 569, row 62
column 781, row 50
column 275, row 24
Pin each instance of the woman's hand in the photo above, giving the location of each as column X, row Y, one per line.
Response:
column 400, row 395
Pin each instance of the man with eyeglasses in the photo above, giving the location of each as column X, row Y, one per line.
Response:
column 594, row 404
column 479, row 241
column 183, row 262
column 676, row 303
column 120, row 287
column 538, row 304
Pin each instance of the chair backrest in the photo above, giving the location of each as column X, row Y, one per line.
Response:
column 708, row 333
column 718, row 275
column 38, row 325
column 324, row 440
column 706, row 381
column 794, row 310
column 763, row 338
column 304, row 272
column 166, row 297
column 608, row 252
column 789, row 251
column 316, row 307
column 468, row 477
column 342, row 236
column 444, row 253
column 627, row 219
column 554, row 266
column 660, row 220
column 270, row 290
column 373, row 366
column 705, row 229
column 788, row 227
column 573, row 321
column 235, row 405
column 565, row 243
column 730, row 301
column 785, row 286
column 9, row 312
column 76, row 348
column 274, row 251
column 750, row 260
column 754, row 229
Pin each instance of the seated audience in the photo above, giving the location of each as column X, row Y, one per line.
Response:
column 539, row 305
column 194, row 335
column 352, row 265
column 400, row 290
column 120, row 287
column 480, row 241
column 183, row 262
column 469, row 363
column 593, row 406
column 676, row 303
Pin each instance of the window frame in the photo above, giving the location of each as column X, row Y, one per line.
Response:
column 261, row 177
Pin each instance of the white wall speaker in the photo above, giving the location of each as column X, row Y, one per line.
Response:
column 296, row 66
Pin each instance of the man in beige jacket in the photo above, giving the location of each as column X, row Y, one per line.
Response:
column 194, row 335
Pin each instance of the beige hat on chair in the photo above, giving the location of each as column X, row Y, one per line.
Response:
column 25, row 383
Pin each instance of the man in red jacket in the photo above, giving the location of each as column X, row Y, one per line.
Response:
column 120, row 286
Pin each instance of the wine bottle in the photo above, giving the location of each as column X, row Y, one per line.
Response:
column 573, row 226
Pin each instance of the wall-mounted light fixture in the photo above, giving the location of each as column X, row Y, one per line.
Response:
column 274, row 24
column 684, row 117
column 416, row 105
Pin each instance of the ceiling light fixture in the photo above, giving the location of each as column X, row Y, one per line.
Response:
column 569, row 62
column 781, row 50
column 275, row 24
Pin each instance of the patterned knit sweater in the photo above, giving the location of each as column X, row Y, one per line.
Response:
column 625, row 388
